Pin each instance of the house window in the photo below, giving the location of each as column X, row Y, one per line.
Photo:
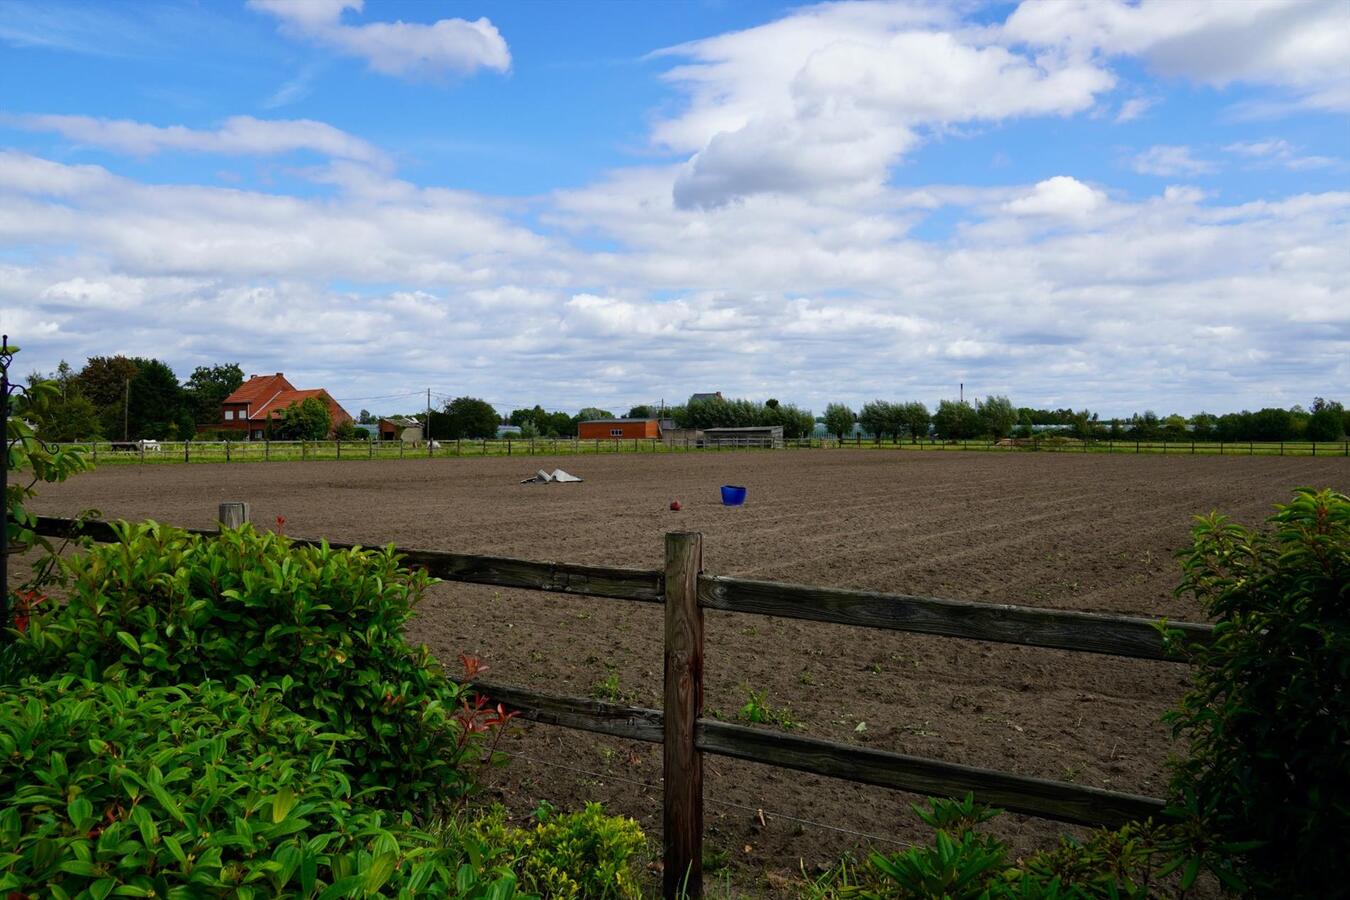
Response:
column 229, row 415
column 616, row 432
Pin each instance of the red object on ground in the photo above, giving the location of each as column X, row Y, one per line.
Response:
column 675, row 505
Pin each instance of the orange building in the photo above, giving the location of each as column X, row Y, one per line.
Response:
column 261, row 400
column 612, row 429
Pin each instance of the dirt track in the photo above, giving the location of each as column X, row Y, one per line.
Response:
column 1096, row 533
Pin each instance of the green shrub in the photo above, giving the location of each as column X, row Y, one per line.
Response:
column 164, row 607
column 567, row 857
column 196, row 792
column 964, row 863
column 1268, row 717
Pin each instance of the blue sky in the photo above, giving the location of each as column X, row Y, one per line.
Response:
column 1114, row 205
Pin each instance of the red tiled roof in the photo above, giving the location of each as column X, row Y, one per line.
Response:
column 273, row 407
column 260, row 388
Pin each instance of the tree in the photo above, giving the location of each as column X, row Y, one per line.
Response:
column 156, row 407
column 67, row 415
column 593, row 412
column 470, row 417
column 306, row 420
column 883, row 419
column 997, row 416
column 207, row 389
column 916, row 418
column 70, row 419
column 1174, row 427
column 1085, row 424
column 365, row 418
column 839, row 419
column 1327, row 421
column 641, row 411
column 104, row 381
column 874, row 417
column 796, row 423
column 1145, row 427
column 1271, row 424
column 346, row 431
column 1204, row 427
column 956, row 420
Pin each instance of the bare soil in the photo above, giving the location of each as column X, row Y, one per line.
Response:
column 1098, row 533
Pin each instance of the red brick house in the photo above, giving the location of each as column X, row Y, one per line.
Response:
column 261, row 400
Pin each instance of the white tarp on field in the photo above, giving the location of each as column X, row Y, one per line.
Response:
column 557, row 475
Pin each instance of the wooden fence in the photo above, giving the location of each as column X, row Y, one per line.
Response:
column 124, row 452
column 686, row 590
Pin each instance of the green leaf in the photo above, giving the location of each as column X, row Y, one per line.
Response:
column 130, row 642
column 380, row 870
column 282, row 803
column 1189, row 874
column 79, row 867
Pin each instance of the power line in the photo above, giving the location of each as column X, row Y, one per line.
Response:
column 385, row 397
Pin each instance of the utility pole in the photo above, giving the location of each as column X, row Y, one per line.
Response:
column 126, row 404
column 428, row 434
column 963, row 392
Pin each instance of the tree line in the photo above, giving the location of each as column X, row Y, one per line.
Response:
column 130, row 398
column 995, row 417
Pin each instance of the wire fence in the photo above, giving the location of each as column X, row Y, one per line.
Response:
column 170, row 452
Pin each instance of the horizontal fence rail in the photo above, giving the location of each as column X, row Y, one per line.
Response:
column 1039, row 797
column 685, row 734
column 1001, row 623
column 169, row 452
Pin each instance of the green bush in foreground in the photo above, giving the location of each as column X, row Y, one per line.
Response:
column 164, row 607
column 1267, row 778
column 196, row 792
column 964, row 863
column 577, row 856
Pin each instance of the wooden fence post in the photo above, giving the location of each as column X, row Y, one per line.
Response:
column 682, row 808
column 232, row 514
column 187, row 451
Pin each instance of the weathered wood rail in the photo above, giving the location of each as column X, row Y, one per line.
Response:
column 685, row 591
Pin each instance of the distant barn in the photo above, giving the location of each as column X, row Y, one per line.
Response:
column 768, row 436
column 400, row 428
column 612, row 429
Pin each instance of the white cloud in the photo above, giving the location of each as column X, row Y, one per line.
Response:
column 239, row 135
column 402, row 49
column 1170, row 160
column 1298, row 45
column 1134, row 108
column 812, row 300
column 1278, row 152
column 1058, row 197
column 828, row 98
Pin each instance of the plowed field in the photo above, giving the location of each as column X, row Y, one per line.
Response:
column 1096, row 533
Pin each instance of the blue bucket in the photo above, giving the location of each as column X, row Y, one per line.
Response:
column 732, row 495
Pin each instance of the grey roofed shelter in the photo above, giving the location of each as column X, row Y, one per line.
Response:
column 770, row 436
